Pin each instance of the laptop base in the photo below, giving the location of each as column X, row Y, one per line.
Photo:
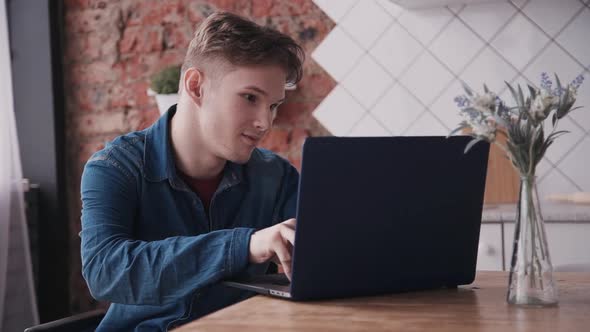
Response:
column 277, row 285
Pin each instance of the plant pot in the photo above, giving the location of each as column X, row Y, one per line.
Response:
column 164, row 101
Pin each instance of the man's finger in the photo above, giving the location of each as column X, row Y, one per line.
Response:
column 284, row 257
column 288, row 234
column 292, row 223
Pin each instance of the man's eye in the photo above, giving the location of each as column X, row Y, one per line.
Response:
column 251, row 98
column 274, row 107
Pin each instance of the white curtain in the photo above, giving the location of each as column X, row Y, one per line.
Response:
column 18, row 308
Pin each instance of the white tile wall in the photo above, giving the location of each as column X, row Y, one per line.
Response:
column 399, row 70
column 367, row 70
column 519, row 41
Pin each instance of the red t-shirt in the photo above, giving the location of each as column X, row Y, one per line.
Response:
column 203, row 188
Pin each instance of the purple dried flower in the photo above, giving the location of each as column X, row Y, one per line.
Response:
column 577, row 81
column 462, row 101
column 545, row 81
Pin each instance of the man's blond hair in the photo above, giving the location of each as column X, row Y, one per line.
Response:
column 228, row 39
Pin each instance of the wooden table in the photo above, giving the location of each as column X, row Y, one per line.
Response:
column 480, row 306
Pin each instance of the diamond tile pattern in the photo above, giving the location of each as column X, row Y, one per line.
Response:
column 425, row 24
column 426, row 78
column 487, row 18
column 445, row 108
column 339, row 111
column 552, row 15
column 457, row 37
column 337, row 53
column 335, row 9
column 399, row 70
column 520, row 41
column 355, row 22
column 575, row 37
column 582, row 116
column 554, row 182
column 368, row 126
column 367, row 71
column 392, row 8
column 490, row 68
column 553, row 60
column 396, row 49
column 575, row 168
column 543, row 167
column 426, row 125
column 397, row 109
column 562, row 146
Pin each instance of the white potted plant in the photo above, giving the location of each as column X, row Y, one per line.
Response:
column 164, row 86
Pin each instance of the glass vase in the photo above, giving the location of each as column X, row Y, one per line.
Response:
column 531, row 280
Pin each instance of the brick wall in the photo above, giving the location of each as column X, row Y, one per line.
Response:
column 113, row 47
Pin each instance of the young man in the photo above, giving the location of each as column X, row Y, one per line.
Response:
column 170, row 211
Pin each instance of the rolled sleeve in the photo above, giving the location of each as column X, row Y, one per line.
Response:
column 240, row 249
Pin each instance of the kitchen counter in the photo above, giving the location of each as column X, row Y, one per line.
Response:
column 552, row 212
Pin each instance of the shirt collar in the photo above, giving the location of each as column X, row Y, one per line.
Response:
column 157, row 154
column 159, row 162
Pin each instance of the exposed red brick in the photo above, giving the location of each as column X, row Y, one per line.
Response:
column 262, row 8
column 92, row 20
column 85, row 47
column 139, row 120
column 170, row 58
column 140, row 39
column 120, row 67
column 276, row 140
column 90, row 98
column 133, row 96
column 267, row 8
column 173, row 11
column 132, row 13
column 153, row 13
column 240, row 7
column 91, row 47
column 71, row 5
column 87, row 149
column 93, row 73
column 176, row 37
column 95, row 124
column 117, row 96
column 196, row 11
column 314, row 86
column 307, row 30
column 297, row 137
column 138, row 95
column 130, row 39
column 140, row 66
column 294, row 113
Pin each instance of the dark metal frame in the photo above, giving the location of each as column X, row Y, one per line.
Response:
column 35, row 29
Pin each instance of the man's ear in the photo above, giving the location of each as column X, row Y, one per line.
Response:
column 193, row 85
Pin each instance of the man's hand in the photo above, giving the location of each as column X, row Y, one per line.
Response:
column 274, row 243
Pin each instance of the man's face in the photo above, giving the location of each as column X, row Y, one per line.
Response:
column 238, row 110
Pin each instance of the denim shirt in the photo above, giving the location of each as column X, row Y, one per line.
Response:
column 147, row 245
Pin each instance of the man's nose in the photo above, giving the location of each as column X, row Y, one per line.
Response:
column 263, row 119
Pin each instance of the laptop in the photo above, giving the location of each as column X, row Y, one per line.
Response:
column 380, row 215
